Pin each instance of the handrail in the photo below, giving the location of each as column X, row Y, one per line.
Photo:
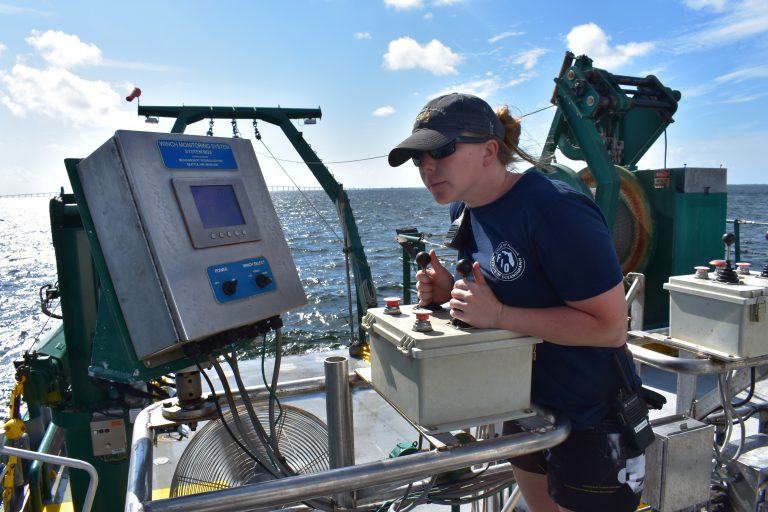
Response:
column 302, row 487
column 51, row 444
column 297, row 488
column 62, row 461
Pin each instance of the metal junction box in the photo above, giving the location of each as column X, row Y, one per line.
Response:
column 678, row 464
column 449, row 378
column 189, row 235
column 750, row 472
column 727, row 318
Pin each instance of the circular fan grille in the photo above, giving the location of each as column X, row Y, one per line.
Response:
column 214, row 461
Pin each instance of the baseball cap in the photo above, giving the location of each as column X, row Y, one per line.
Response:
column 442, row 120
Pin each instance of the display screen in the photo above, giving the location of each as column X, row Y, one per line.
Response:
column 217, row 206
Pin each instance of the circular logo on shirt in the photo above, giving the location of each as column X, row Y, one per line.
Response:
column 506, row 263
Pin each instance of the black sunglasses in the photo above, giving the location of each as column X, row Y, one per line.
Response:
column 448, row 149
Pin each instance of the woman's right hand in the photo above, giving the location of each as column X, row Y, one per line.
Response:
column 434, row 284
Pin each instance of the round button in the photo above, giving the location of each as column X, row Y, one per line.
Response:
column 229, row 287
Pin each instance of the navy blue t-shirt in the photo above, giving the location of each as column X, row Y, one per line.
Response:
column 539, row 245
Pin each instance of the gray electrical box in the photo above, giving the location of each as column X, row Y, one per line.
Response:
column 190, row 237
column 678, row 464
column 449, row 378
column 750, row 472
column 723, row 317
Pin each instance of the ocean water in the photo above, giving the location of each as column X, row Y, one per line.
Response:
column 27, row 260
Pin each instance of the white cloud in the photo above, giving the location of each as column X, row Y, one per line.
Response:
column 435, row 57
column 744, row 99
column 590, row 40
column 362, row 35
column 504, row 35
column 529, row 58
column 743, row 20
column 384, row 111
column 404, row 5
column 697, row 5
column 3, row 48
column 64, row 50
column 446, row 2
column 483, row 87
column 60, row 94
column 13, row 10
column 743, row 74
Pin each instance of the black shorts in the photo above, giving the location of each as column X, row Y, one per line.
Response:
column 591, row 470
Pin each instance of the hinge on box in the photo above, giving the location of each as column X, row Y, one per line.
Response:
column 755, row 311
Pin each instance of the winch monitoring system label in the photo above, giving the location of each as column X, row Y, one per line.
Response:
column 189, row 154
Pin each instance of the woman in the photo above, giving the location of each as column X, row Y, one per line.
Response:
column 544, row 265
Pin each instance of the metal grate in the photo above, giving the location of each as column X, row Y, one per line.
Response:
column 213, row 461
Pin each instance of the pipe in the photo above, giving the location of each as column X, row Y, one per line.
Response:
column 51, row 443
column 636, row 300
column 139, row 487
column 675, row 364
column 302, row 487
column 387, row 492
column 338, row 406
column 62, row 461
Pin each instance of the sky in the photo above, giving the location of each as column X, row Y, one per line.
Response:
column 369, row 65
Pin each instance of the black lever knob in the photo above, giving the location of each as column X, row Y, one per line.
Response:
column 422, row 260
column 229, row 287
column 263, row 280
column 463, row 267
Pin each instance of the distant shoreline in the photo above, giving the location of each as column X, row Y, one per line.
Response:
column 291, row 188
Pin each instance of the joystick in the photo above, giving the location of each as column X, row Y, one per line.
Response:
column 422, row 260
column 463, row 267
column 726, row 274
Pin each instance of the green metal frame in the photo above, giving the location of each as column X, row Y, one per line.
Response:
column 186, row 115
column 601, row 122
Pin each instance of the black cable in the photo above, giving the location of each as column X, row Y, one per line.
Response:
column 236, row 415
column 751, row 391
column 224, row 421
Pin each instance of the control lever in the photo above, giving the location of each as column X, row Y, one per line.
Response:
column 463, row 267
column 422, row 260
column 727, row 274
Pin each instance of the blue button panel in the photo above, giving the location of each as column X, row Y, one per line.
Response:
column 240, row 279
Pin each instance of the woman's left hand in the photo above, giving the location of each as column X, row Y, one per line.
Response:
column 474, row 302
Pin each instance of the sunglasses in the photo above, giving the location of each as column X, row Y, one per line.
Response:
column 448, row 149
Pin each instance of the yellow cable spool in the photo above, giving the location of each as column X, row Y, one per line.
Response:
column 633, row 228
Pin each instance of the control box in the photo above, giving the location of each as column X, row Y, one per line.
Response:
column 449, row 377
column 678, row 464
column 725, row 318
column 190, row 237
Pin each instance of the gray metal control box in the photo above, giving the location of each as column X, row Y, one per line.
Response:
column 189, row 235
column 678, row 464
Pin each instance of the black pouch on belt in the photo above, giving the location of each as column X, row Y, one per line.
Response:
column 632, row 413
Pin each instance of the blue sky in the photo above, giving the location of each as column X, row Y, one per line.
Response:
column 66, row 67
